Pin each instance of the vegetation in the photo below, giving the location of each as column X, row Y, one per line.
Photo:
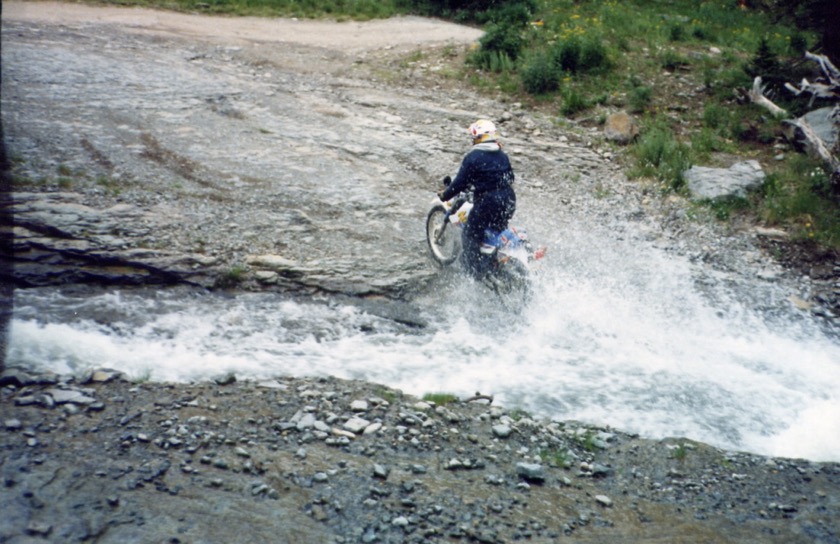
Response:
column 231, row 278
column 680, row 67
column 682, row 70
column 440, row 399
column 556, row 457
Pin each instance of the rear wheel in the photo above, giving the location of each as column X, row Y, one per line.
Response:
column 444, row 240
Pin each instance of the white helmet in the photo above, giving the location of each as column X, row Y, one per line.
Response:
column 483, row 131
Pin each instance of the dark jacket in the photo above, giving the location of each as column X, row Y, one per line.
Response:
column 486, row 168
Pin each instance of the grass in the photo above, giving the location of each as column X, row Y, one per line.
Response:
column 587, row 441
column 518, row 414
column 680, row 452
column 231, row 277
column 556, row 457
column 440, row 399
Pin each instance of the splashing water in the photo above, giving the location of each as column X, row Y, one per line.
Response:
column 638, row 347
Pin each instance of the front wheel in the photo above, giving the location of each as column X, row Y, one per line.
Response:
column 444, row 239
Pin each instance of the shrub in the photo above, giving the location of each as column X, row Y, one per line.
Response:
column 766, row 65
column 676, row 33
column 503, row 38
column 715, row 116
column 671, row 60
column 577, row 55
column 640, row 98
column 567, row 55
column 573, row 102
column 539, row 74
column 659, row 154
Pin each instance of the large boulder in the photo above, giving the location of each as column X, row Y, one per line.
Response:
column 820, row 121
column 720, row 183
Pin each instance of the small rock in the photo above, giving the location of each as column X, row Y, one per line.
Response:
column 103, row 376
column 38, row 528
column 13, row 425
column 603, row 500
column 501, row 431
column 372, row 428
column 356, row 425
column 532, row 472
column 381, row 471
column 227, row 379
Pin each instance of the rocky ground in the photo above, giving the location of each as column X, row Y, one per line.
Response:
column 155, row 148
column 328, row 461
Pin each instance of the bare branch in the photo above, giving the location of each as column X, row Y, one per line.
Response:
column 757, row 97
column 830, row 71
column 479, row 396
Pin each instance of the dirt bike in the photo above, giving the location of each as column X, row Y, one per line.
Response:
column 510, row 251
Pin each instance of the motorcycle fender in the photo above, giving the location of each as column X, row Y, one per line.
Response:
column 519, row 253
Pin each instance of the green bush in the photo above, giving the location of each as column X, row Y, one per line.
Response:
column 503, row 38
column 708, row 141
column 676, row 33
column 715, row 116
column 494, row 61
column 660, row 155
column 573, row 102
column 640, row 98
column 539, row 74
column 766, row 64
column 580, row 54
column 671, row 60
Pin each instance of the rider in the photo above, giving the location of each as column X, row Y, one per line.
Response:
column 486, row 169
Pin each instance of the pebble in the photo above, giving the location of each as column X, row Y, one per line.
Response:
column 502, row 431
column 603, row 500
column 531, row 472
column 356, row 425
column 13, row 425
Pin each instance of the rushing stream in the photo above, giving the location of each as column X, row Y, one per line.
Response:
column 656, row 345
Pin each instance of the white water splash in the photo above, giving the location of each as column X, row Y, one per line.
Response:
column 607, row 350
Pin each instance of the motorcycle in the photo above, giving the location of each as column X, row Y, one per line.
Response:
column 512, row 254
